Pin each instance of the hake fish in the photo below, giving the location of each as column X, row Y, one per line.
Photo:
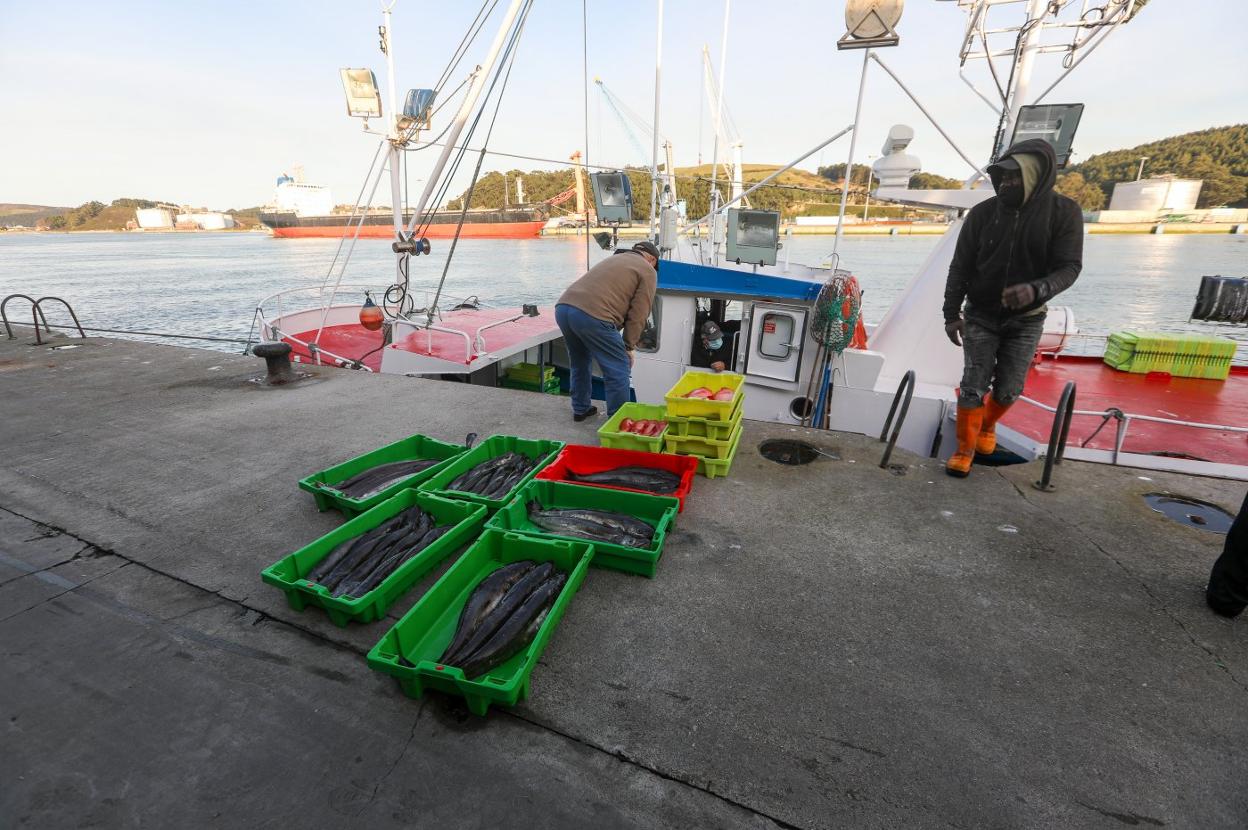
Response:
column 517, row 631
column 483, row 600
column 508, row 603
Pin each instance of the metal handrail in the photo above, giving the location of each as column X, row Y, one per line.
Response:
column 907, row 386
column 312, row 349
column 1057, row 437
column 36, row 312
column 34, row 305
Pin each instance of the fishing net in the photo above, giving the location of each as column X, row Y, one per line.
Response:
column 836, row 319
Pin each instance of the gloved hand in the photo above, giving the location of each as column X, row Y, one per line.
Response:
column 954, row 330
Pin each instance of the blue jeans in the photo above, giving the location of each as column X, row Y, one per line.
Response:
column 589, row 339
column 1000, row 353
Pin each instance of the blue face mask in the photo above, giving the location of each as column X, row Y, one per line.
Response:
column 714, row 345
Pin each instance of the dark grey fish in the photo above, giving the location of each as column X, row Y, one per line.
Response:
column 585, row 530
column 375, row 479
column 511, row 600
column 396, row 560
column 362, row 556
column 593, row 524
column 483, row 600
column 636, row 478
column 517, row 631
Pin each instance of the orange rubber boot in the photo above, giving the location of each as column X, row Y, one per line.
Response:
column 969, row 423
column 987, row 443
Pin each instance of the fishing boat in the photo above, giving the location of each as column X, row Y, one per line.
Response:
column 901, row 374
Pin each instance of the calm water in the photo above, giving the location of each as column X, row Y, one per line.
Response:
column 210, row 283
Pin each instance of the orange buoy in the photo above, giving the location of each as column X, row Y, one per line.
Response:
column 371, row 317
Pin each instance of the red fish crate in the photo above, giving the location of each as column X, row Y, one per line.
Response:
column 584, row 460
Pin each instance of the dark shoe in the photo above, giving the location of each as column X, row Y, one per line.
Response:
column 1222, row 607
column 588, row 413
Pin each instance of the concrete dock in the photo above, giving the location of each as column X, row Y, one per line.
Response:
column 832, row 645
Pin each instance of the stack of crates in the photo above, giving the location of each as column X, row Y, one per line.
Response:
column 1181, row 355
column 707, row 429
column 531, row 378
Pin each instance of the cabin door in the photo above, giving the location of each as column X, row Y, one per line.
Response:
column 776, row 336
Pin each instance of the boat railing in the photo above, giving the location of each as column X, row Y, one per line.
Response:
column 1124, row 420
column 906, row 388
column 279, row 301
column 1064, row 414
column 1087, row 350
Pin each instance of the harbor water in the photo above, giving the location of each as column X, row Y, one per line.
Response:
column 209, row 284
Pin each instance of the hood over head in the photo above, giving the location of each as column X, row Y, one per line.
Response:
column 1037, row 162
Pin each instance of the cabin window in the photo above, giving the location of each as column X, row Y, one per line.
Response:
column 648, row 341
column 727, row 314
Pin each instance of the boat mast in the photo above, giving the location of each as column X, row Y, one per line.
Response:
column 654, row 161
column 451, row 141
column 1028, row 46
column 394, row 155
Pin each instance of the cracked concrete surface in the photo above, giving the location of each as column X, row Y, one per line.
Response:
column 829, row 645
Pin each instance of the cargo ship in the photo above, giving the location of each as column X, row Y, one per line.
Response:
column 303, row 210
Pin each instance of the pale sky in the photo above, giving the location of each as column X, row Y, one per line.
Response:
column 207, row 103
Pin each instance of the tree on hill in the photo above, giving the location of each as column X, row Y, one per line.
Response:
column 1086, row 194
column 1219, row 156
column 931, row 181
column 836, row 172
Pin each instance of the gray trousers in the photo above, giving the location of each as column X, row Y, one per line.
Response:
column 997, row 354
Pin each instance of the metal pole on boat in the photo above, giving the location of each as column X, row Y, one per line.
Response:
column 719, row 99
column 465, row 109
column 1027, row 48
column 853, row 142
column 654, row 163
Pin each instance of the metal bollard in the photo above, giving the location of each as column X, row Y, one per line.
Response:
column 277, row 358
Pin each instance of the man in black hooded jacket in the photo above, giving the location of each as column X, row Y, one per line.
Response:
column 1015, row 252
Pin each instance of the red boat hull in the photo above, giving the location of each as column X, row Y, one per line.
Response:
column 481, row 230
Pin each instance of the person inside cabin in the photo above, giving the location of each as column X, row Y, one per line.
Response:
column 1227, row 592
column 1016, row 251
column 601, row 316
column 711, row 348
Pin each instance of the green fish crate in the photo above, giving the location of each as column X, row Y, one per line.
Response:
column 541, row 451
column 682, row 407
column 711, row 448
column 410, row 650
column 414, row 447
column 718, row 467
column 550, row 387
column 1180, row 355
column 610, row 435
column 681, row 427
column 658, row 511
column 529, row 373
column 288, row 573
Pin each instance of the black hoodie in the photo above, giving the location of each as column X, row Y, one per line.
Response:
column 1041, row 243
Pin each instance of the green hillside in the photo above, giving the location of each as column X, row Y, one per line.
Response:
column 12, row 215
column 97, row 216
column 1219, row 156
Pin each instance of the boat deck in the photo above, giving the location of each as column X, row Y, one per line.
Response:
column 825, row 645
column 1099, row 387
column 509, row 337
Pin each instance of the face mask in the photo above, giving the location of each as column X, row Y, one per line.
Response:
column 713, row 345
column 1011, row 195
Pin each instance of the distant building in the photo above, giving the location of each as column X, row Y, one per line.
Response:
column 154, row 218
column 1159, row 195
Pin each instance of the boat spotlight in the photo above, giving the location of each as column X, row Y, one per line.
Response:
column 371, row 317
column 613, row 197
column 363, row 99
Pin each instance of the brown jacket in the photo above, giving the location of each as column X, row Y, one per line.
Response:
column 619, row 290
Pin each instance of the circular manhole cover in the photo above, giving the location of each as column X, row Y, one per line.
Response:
column 1191, row 512
column 787, row 451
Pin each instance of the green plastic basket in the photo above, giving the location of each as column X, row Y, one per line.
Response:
column 530, row 372
column 706, row 428
column 288, row 572
column 410, row 650
column 682, row 407
column 609, row 434
column 1181, row 355
column 719, row 467
column 659, row 511
column 711, row 448
column 408, row 449
column 542, row 451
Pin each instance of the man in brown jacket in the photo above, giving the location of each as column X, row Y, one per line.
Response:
column 615, row 294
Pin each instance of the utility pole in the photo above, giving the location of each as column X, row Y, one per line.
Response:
column 866, row 198
column 1140, row 172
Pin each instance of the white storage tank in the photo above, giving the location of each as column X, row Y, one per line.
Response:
column 154, row 218
column 1160, row 195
